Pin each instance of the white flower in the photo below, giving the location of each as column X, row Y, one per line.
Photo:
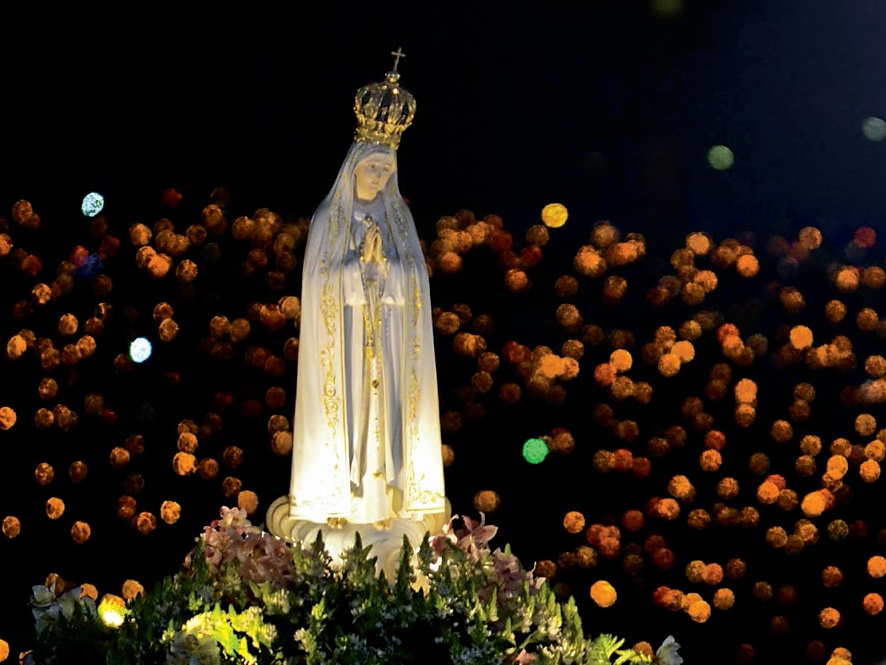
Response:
column 667, row 652
column 42, row 596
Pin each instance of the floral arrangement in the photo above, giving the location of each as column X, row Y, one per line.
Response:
column 245, row 596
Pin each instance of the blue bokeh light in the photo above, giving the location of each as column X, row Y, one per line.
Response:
column 92, row 204
column 140, row 349
column 91, row 267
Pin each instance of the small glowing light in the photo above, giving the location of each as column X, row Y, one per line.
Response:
column 554, row 215
column 140, row 349
column 92, row 204
column 535, row 450
column 874, row 129
column 112, row 610
column 721, row 158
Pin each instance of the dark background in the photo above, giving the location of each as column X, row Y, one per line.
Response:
column 609, row 108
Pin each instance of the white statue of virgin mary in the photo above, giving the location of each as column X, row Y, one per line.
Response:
column 366, row 438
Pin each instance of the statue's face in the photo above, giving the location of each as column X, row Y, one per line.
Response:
column 372, row 174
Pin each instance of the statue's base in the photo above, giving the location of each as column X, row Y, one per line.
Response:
column 386, row 543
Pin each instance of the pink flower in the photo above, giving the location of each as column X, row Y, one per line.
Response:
column 524, row 657
column 481, row 533
column 475, row 537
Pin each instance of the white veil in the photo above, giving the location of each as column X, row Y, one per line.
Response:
column 320, row 460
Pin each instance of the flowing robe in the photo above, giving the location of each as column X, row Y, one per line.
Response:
column 366, row 432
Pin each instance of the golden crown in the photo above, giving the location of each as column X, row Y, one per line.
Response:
column 383, row 109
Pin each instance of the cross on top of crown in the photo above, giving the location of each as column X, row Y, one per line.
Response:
column 397, row 55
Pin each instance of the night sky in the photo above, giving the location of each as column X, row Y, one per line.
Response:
column 610, row 109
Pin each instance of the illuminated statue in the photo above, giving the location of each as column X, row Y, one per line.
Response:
column 366, row 439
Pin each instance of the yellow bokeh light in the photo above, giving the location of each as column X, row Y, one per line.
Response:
column 801, row 337
column 554, row 215
column 112, row 610
column 603, row 593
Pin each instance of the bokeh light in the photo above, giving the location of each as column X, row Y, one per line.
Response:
column 92, row 204
column 140, row 349
column 554, row 215
column 535, row 450
column 720, row 158
column 874, row 128
column 716, row 402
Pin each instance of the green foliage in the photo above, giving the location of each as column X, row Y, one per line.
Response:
column 243, row 597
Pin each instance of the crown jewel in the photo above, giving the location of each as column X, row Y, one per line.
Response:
column 384, row 109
